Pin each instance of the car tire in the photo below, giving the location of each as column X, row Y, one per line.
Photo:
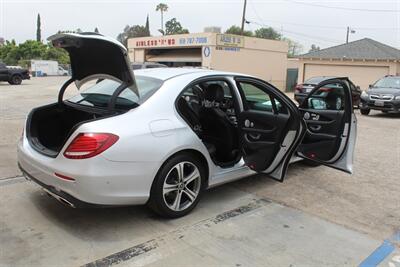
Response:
column 178, row 186
column 15, row 80
column 365, row 111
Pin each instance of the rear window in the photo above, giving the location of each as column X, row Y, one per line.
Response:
column 317, row 80
column 98, row 94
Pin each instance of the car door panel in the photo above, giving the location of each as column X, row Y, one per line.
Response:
column 270, row 128
column 331, row 124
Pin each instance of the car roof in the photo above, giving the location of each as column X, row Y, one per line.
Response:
column 168, row 73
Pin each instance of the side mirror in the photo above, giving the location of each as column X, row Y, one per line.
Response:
column 370, row 86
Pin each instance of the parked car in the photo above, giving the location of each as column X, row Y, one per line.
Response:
column 302, row 90
column 147, row 65
column 162, row 136
column 383, row 95
column 13, row 75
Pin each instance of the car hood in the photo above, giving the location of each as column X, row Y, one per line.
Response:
column 95, row 56
column 383, row 90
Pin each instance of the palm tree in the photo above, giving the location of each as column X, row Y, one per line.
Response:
column 162, row 8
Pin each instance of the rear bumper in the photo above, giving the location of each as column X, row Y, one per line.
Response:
column 58, row 194
column 98, row 181
column 392, row 106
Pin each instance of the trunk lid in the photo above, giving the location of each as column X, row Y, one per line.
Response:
column 95, row 56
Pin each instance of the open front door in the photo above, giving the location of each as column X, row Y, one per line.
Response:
column 270, row 127
column 331, row 125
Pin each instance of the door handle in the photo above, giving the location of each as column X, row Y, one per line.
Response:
column 315, row 127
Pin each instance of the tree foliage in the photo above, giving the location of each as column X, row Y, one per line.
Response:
column 295, row 48
column 238, row 31
column 267, row 33
column 162, row 8
column 38, row 29
column 132, row 32
column 13, row 54
column 174, row 27
column 147, row 26
column 314, row 48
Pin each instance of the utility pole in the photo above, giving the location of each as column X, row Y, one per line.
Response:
column 244, row 16
column 349, row 30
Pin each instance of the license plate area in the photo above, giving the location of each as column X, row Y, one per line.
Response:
column 379, row 103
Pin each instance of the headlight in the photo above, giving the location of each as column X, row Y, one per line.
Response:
column 397, row 97
column 364, row 94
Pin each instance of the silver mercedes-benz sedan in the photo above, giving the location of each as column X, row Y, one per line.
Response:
column 163, row 136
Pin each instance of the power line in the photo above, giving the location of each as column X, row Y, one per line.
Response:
column 312, row 37
column 317, row 26
column 345, row 8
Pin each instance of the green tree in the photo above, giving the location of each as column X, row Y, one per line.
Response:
column 294, row 47
column 132, row 32
column 21, row 54
column 238, row 31
column 147, row 25
column 267, row 33
column 38, row 29
column 162, row 8
column 174, row 27
column 314, row 48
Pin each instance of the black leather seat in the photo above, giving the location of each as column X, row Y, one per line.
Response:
column 193, row 120
column 217, row 129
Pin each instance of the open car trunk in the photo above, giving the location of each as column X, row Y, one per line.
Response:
column 92, row 56
column 49, row 127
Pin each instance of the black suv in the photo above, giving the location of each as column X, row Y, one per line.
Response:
column 13, row 75
column 383, row 95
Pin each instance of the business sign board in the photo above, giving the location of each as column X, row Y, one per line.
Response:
column 165, row 41
column 230, row 40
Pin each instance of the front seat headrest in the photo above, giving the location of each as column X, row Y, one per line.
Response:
column 214, row 92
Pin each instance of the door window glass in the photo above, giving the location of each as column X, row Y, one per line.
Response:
column 328, row 97
column 256, row 99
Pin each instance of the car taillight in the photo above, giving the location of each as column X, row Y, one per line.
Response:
column 87, row 145
column 325, row 89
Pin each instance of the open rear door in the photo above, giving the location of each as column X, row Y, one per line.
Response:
column 331, row 125
column 270, row 127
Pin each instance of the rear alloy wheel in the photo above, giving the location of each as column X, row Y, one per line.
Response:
column 177, row 187
column 365, row 111
column 16, row 80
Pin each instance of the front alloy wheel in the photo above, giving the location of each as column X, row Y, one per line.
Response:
column 181, row 186
column 177, row 187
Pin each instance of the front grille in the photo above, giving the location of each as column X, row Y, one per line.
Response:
column 385, row 97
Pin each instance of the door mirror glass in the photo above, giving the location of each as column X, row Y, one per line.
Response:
column 327, row 97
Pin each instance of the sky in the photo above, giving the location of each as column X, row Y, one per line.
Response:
column 307, row 22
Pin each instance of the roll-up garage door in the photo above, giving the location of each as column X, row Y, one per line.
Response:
column 360, row 75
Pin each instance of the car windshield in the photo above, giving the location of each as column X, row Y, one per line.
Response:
column 317, row 80
column 99, row 94
column 388, row 82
